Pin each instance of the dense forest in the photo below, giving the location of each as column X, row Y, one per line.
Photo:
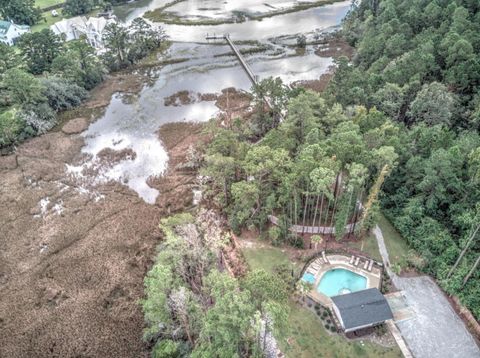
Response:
column 397, row 128
column 419, row 63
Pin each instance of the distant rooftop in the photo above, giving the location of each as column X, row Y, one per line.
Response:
column 362, row 308
column 4, row 26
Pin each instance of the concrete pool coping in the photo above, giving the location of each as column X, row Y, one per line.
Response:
column 340, row 262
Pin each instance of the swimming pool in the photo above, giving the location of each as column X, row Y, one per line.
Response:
column 308, row 277
column 340, row 281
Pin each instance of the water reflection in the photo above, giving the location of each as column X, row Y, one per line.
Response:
column 227, row 8
column 133, row 122
column 306, row 21
column 127, row 12
column 315, row 19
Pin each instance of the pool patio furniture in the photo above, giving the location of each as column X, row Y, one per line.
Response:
column 318, row 267
column 357, row 261
column 351, row 259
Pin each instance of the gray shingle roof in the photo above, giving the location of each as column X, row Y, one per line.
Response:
column 362, row 308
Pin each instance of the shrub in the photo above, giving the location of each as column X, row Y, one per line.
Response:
column 327, row 327
column 329, row 321
column 62, row 94
column 10, row 127
column 274, row 233
column 166, row 349
column 333, row 329
column 301, row 41
column 381, row 330
column 296, row 241
column 38, row 118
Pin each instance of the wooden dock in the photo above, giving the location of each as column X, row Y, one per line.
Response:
column 251, row 75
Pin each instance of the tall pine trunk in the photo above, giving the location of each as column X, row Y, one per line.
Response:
column 327, row 211
column 335, row 199
column 320, row 216
column 348, row 206
column 464, row 251
column 471, row 271
column 304, row 212
column 315, row 212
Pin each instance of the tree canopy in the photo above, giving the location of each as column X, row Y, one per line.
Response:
column 418, row 62
column 194, row 309
column 22, row 12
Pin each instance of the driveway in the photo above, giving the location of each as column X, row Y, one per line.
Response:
column 436, row 331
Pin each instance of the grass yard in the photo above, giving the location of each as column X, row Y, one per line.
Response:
column 396, row 245
column 49, row 20
column 266, row 258
column 47, row 3
column 305, row 335
column 369, row 246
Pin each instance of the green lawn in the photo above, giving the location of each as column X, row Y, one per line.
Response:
column 265, row 258
column 305, row 336
column 46, row 3
column 49, row 20
column 370, row 247
column 396, row 245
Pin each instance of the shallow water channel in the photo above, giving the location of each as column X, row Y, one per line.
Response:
column 132, row 122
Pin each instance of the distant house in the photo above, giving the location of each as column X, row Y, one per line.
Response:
column 10, row 32
column 76, row 27
column 361, row 309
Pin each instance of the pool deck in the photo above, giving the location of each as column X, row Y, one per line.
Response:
column 320, row 266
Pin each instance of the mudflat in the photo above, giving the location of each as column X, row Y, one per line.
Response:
column 73, row 257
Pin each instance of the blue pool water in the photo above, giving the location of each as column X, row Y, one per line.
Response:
column 341, row 281
column 308, row 277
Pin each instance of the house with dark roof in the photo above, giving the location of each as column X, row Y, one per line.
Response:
column 361, row 309
column 10, row 32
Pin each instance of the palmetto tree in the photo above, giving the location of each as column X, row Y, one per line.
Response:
column 316, row 239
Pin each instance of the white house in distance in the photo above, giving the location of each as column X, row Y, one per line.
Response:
column 10, row 32
column 75, row 27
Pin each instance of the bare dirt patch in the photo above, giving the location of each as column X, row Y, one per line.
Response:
column 75, row 126
column 335, row 47
column 234, row 104
column 125, row 82
column 110, row 155
column 318, row 85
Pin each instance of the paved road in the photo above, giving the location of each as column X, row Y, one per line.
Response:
column 436, row 331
